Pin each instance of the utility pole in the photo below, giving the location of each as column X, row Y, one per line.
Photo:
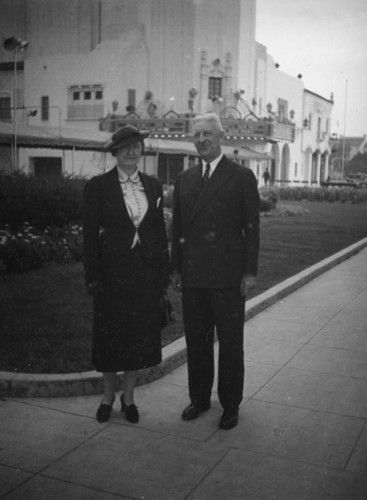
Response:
column 17, row 45
column 345, row 127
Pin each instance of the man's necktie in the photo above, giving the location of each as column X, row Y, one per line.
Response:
column 205, row 177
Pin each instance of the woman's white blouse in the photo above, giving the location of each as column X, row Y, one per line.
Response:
column 135, row 199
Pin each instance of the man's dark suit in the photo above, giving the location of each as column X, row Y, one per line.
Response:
column 215, row 242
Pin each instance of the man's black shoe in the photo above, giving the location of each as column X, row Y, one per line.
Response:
column 229, row 418
column 193, row 411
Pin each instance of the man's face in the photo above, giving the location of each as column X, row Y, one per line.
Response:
column 207, row 139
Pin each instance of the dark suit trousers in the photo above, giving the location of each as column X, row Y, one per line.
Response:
column 204, row 310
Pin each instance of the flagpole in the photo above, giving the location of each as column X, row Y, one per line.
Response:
column 345, row 126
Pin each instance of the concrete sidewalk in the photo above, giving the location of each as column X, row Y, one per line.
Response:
column 302, row 432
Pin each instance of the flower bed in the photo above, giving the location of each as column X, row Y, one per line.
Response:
column 30, row 248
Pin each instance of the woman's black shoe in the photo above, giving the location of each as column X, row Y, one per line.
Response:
column 104, row 412
column 131, row 411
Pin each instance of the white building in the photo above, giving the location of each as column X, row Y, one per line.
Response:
column 283, row 97
column 98, row 64
column 315, row 147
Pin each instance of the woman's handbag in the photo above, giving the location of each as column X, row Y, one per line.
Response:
column 167, row 313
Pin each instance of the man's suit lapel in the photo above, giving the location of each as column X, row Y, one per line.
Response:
column 191, row 189
column 220, row 176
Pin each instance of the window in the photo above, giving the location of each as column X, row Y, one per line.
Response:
column 85, row 102
column 47, row 166
column 215, row 87
column 45, row 112
column 319, row 137
column 5, row 108
column 282, row 110
column 310, row 121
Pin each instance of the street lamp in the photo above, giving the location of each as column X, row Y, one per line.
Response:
column 29, row 113
column 16, row 45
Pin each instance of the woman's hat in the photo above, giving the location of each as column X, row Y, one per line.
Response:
column 124, row 136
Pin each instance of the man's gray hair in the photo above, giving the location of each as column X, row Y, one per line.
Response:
column 209, row 117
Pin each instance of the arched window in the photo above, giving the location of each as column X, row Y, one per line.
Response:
column 215, row 87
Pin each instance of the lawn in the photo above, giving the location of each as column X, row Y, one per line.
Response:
column 291, row 244
column 46, row 314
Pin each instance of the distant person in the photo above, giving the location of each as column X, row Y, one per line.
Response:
column 215, row 244
column 126, row 269
column 266, row 177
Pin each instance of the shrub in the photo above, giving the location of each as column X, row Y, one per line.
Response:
column 265, row 204
column 66, row 243
column 168, row 196
column 30, row 248
column 269, row 194
column 40, row 201
column 24, row 250
column 359, row 196
column 345, row 195
column 284, row 193
column 268, row 199
column 331, row 194
column 168, row 222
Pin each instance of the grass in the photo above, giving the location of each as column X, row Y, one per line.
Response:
column 46, row 314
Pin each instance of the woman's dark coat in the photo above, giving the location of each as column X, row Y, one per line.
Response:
column 126, row 326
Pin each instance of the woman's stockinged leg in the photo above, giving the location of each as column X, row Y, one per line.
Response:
column 105, row 408
column 109, row 387
column 110, row 380
column 129, row 385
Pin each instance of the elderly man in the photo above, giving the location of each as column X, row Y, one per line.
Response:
column 214, row 261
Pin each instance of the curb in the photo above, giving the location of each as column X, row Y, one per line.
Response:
column 30, row 385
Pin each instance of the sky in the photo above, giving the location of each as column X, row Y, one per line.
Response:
column 325, row 41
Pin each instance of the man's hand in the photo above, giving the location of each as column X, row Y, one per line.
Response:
column 94, row 288
column 176, row 281
column 247, row 283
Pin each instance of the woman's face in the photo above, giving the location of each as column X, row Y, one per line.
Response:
column 129, row 156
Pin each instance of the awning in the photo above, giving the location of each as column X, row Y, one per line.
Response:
column 188, row 148
column 52, row 137
column 84, row 139
column 254, row 155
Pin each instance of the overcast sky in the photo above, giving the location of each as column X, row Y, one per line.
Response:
column 325, row 41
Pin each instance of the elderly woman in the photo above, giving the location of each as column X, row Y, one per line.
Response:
column 126, row 269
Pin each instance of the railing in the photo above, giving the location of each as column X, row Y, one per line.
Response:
column 175, row 128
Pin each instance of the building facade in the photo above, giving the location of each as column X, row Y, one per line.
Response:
column 97, row 64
